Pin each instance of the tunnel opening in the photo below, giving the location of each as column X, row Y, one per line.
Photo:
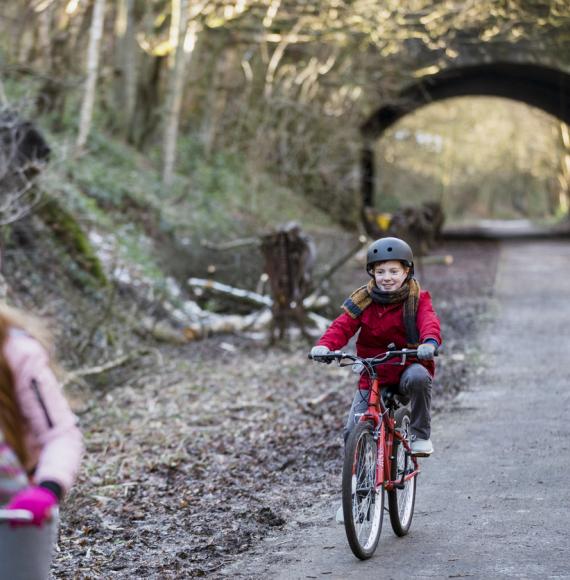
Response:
column 511, row 89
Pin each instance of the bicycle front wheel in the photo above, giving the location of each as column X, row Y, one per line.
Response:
column 401, row 500
column 362, row 496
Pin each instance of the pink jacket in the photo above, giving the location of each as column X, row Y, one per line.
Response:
column 53, row 440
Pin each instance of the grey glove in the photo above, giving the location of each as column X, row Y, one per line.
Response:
column 318, row 351
column 426, row 351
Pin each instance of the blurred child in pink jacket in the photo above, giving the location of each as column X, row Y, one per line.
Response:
column 36, row 422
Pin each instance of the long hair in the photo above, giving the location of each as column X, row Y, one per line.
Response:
column 11, row 418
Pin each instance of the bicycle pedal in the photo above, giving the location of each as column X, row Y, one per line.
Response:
column 399, row 486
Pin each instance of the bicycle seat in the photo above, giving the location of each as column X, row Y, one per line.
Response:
column 392, row 398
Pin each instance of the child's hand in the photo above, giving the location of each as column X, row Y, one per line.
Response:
column 426, row 351
column 38, row 500
column 319, row 351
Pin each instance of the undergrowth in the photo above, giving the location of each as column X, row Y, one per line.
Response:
column 117, row 192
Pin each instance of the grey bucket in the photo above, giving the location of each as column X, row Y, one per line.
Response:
column 26, row 551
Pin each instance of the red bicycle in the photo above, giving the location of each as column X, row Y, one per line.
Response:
column 377, row 458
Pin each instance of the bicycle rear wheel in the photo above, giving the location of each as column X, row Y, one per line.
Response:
column 401, row 501
column 362, row 498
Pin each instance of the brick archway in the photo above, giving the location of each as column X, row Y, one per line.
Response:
column 539, row 86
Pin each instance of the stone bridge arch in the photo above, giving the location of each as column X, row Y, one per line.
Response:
column 536, row 85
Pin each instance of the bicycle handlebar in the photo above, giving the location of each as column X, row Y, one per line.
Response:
column 15, row 516
column 379, row 359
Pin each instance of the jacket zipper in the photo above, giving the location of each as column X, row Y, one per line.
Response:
column 41, row 401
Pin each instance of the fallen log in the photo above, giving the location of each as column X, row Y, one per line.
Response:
column 247, row 296
column 239, row 294
column 162, row 331
column 218, row 324
column 181, row 331
column 320, row 322
column 314, row 302
column 234, row 244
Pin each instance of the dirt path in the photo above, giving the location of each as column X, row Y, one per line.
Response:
column 493, row 501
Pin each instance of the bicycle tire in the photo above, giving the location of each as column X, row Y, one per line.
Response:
column 401, row 502
column 362, row 498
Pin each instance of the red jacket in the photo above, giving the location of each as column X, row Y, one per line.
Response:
column 381, row 325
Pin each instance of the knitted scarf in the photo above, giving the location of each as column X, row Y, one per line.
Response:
column 408, row 293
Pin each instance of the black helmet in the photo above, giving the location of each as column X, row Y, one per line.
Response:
column 389, row 249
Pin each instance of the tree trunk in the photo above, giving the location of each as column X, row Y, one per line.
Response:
column 95, row 35
column 224, row 78
column 23, row 41
column 126, row 65
column 185, row 42
column 45, row 34
column 147, row 119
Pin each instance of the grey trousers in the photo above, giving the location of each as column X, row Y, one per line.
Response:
column 415, row 383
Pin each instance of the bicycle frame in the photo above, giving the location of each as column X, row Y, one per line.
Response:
column 380, row 417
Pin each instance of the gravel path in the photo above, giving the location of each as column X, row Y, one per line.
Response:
column 493, row 501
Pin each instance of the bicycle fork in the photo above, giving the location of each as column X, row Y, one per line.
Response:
column 381, row 451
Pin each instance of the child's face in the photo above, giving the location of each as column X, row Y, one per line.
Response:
column 390, row 275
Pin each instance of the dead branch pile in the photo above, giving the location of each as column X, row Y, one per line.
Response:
column 289, row 257
column 23, row 154
column 420, row 225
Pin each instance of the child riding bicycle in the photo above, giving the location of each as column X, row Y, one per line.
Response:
column 36, row 423
column 391, row 312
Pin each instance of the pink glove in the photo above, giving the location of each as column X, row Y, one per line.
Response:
column 38, row 500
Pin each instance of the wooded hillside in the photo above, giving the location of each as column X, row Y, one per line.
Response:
column 283, row 85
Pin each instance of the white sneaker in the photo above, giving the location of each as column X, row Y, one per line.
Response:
column 422, row 447
column 339, row 515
